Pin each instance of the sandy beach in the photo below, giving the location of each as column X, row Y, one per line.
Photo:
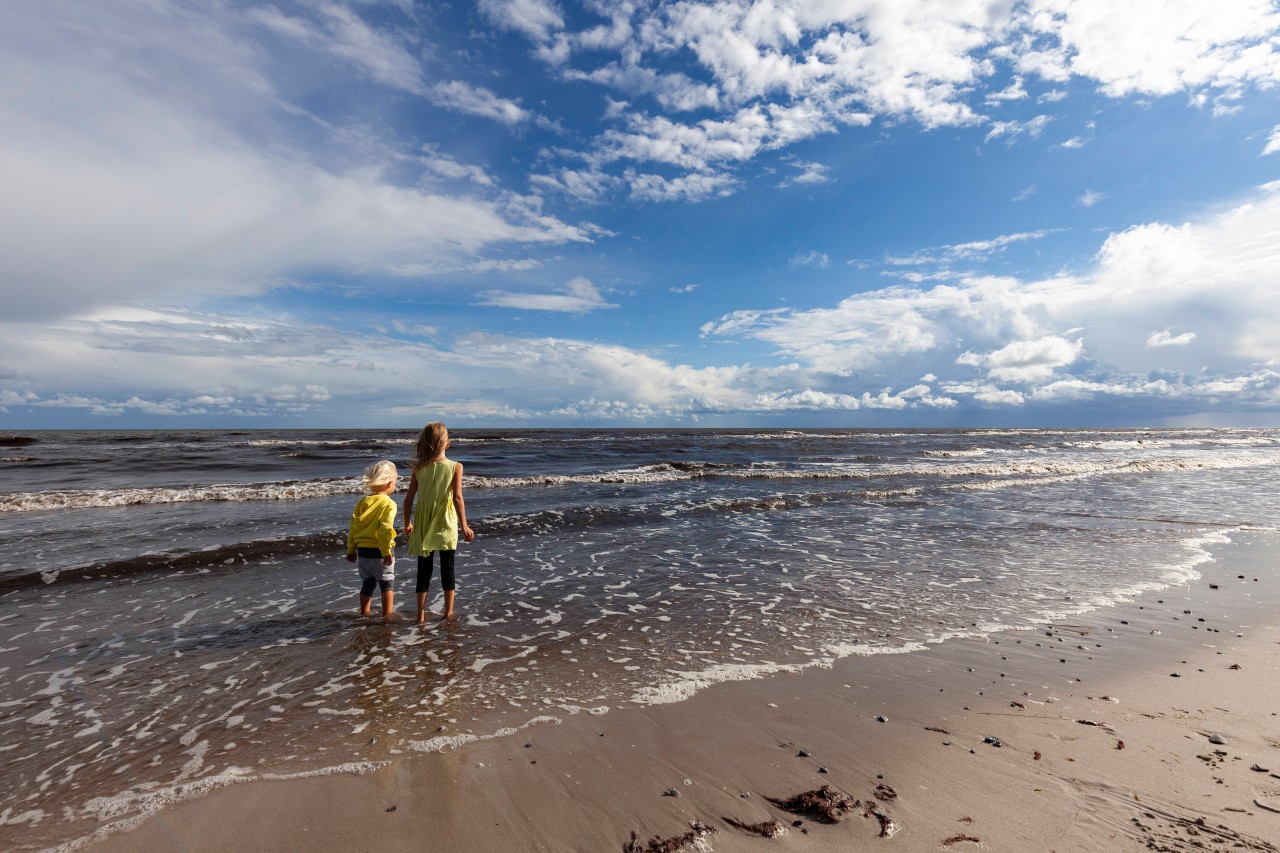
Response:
column 1147, row 726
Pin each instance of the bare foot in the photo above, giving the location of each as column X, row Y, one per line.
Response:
column 422, row 617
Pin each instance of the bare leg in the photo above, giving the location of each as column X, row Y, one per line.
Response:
column 366, row 602
column 422, row 607
column 388, row 603
column 448, row 604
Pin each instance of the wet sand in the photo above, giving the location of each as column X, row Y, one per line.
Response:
column 1093, row 736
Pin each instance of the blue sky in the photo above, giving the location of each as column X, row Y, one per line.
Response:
column 526, row 212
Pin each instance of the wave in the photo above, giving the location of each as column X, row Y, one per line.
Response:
column 221, row 557
column 98, row 498
column 17, row 440
column 325, row 442
column 988, row 474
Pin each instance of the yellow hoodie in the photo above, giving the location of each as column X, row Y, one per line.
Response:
column 373, row 525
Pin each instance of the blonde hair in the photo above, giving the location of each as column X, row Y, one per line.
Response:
column 379, row 474
column 432, row 441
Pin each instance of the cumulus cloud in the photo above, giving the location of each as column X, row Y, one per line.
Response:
column 1073, row 329
column 776, row 73
column 578, row 296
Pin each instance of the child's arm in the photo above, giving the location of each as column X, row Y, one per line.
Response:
column 467, row 532
column 387, row 532
column 409, row 494
column 351, row 539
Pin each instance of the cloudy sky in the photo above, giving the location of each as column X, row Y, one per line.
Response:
column 549, row 212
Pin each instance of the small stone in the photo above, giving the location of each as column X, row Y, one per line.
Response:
column 746, row 795
column 994, row 741
column 802, row 754
column 391, row 809
column 882, row 719
column 1214, row 737
column 1258, row 768
column 1174, row 675
column 671, row 792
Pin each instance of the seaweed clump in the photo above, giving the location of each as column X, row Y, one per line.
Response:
column 824, row 804
column 693, row 840
column 765, row 829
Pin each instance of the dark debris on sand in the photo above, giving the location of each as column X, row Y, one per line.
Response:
column 689, row 841
column 956, row 839
column 824, row 804
column 765, row 829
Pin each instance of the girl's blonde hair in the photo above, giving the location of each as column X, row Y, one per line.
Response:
column 379, row 474
column 432, row 441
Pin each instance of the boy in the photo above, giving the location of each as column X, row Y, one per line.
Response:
column 371, row 537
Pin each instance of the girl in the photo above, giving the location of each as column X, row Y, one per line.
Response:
column 436, row 485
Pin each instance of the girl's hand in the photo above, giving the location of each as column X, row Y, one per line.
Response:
column 467, row 533
column 408, row 528
column 388, row 560
column 351, row 558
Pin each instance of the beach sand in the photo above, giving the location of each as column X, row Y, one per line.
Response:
column 1089, row 736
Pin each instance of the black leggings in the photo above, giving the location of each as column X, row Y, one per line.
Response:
column 446, row 571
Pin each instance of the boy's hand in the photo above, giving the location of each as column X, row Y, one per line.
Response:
column 467, row 533
column 351, row 558
column 388, row 560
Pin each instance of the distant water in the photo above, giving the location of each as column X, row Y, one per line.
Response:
column 176, row 612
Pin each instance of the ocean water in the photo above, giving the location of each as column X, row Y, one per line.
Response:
column 176, row 612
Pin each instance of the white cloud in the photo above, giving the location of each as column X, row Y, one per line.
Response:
column 695, row 186
column 478, row 101
column 1072, row 143
column 578, row 296
column 1012, row 129
column 1089, row 198
column 537, row 19
column 1273, row 141
column 688, row 288
column 811, row 258
column 1025, row 361
column 810, row 174
column 972, row 251
column 1166, row 338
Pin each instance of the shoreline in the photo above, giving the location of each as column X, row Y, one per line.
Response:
column 913, row 724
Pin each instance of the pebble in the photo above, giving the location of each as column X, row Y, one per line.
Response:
column 1214, row 737
column 802, row 754
column 994, row 741
column 671, row 792
column 882, row 719
column 823, row 770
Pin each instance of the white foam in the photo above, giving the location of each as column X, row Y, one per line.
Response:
column 451, row 742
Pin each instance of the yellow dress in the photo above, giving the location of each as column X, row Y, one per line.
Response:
column 435, row 518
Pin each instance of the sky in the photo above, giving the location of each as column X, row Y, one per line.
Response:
column 544, row 213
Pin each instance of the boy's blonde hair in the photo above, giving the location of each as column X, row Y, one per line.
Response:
column 379, row 474
column 432, row 441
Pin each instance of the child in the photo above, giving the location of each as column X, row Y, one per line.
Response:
column 437, row 485
column 371, row 537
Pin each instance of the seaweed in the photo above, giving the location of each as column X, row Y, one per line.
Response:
column 956, row 839
column 766, row 829
column 825, row 804
column 689, row 841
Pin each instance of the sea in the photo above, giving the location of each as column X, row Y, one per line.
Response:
column 176, row 612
